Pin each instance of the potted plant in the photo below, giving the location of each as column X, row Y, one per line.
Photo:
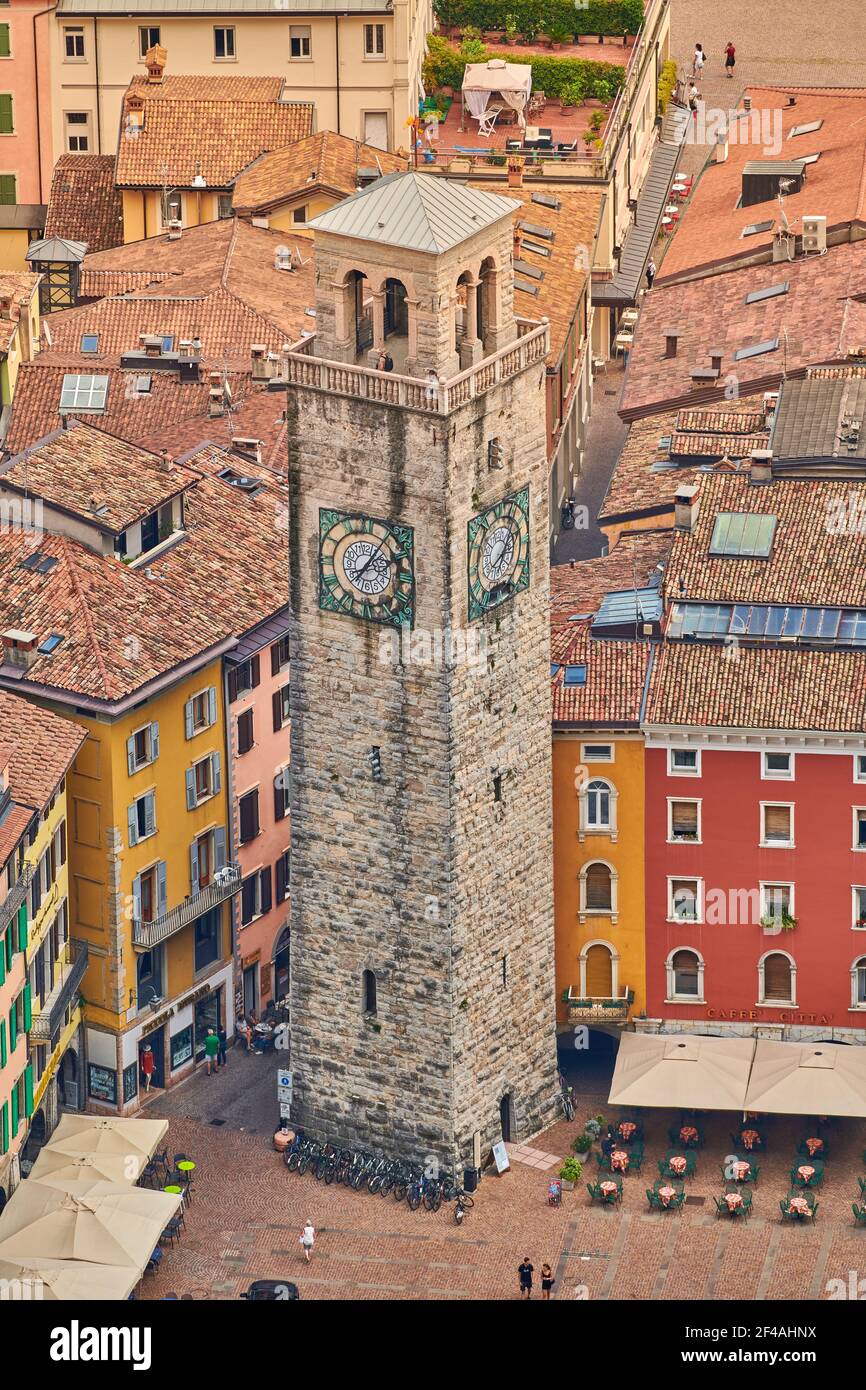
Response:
column 558, row 33
column 603, row 91
column 571, row 95
column 588, row 138
column 510, row 29
column 778, row 920
column 594, row 1127
column 583, row 1143
column 570, row 1173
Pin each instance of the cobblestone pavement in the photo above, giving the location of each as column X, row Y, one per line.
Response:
column 246, row 1216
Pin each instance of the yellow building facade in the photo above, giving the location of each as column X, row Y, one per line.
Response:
column 151, row 886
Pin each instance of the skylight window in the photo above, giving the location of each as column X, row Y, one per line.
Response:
column 38, row 563
column 774, row 623
column 51, row 643
column 805, row 129
column 142, row 385
column 770, row 292
column 810, row 158
column 744, row 534
column 525, row 285
column 83, row 392
column 89, row 342
column 574, row 675
column 755, row 227
column 756, row 349
column 554, row 669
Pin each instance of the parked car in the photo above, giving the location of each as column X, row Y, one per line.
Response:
column 275, row 1290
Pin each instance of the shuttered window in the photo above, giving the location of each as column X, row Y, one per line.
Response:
column 246, row 734
column 777, row 978
column 777, row 824
column 599, row 973
column 279, row 655
column 684, row 820
column 685, row 968
column 280, row 705
column 8, row 190
column 598, row 888
column 684, row 899
column 283, row 875
column 7, row 120
column 282, row 793
column 249, row 816
column 5, row 44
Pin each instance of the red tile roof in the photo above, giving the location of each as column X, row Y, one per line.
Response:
column 710, row 233
column 819, row 320
column 45, row 747
column 323, row 162
column 208, row 126
column 84, row 204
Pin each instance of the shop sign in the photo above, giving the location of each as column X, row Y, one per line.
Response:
column 102, row 1083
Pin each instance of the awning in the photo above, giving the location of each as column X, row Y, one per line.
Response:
column 673, row 1071
column 79, row 1136
column 807, row 1079
column 66, row 1281
column 91, row 1222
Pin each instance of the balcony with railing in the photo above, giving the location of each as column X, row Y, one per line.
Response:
column 302, row 368
column 593, row 1009
column 224, row 885
column 15, row 897
column 67, row 981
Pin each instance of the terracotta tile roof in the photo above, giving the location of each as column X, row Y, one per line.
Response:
column 635, row 489
column 821, row 314
column 256, row 413
column 580, row 587
column 12, row 827
column 213, row 126
column 760, row 688
column 564, row 273
column 95, row 475
column 84, row 204
column 810, row 562
column 323, row 162
column 18, row 286
column 685, row 444
column 710, row 233
column 45, row 747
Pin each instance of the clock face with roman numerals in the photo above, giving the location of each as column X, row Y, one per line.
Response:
column 498, row 562
column 366, row 567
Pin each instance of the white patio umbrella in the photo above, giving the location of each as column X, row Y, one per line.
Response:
column 99, row 1167
column 80, row 1135
column 95, row 1222
column 66, row 1281
column 807, row 1079
column 672, row 1071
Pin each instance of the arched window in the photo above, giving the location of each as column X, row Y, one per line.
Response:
column 858, row 983
column 598, row 808
column 685, row 974
column 368, row 989
column 777, row 978
column 599, row 970
column 598, row 889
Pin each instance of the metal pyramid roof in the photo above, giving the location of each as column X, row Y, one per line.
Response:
column 56, row 248
column 420, row 212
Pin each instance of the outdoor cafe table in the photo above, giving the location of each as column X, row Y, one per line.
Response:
column 741, row 1208
column 669, row 1183
column 813, row 1179
column 688, row 1157
column 729, row 1168
column 799, row 1194
column 749, row 1139
column 686, row 1135
column 607, row 1198
column 632, row 1135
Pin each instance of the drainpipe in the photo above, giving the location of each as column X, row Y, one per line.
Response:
column 98, row 105
column 337, row 65
column 38, row 15
column 231, row 847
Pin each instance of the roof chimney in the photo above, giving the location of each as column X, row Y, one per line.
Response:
column 771, row 401
column 761, row 466
column 716, row 359
column 19, row 648
column 686, row 507
column 671, row 338
column 166, row 461
column 133, row 106
column 216, row 403
column 154, row 61
column 261, row 367
column 515, row 173
column 252, row 448
column 747, row 101
column 152, row 344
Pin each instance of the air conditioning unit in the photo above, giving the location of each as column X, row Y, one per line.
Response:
column 814, row 235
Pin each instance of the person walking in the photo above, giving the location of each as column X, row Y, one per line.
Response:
column 222, row 1050
column 524, row 1275
column 698, row 61
column 308, row 1236
column 147, row 1065
column 694, row 96
column 211, row 1048
column 650, row 273
column 547, row 1281
column 730, row 58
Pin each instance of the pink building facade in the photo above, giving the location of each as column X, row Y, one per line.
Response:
column 25, row 87
column 16, row 1082
column 257, row 701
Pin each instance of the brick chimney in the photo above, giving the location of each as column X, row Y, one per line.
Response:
column 154, row 61
column 19, row 648
column 133, row 107
column 716, row 355
column 686, row 507
column 166, row 461
column 261, row 367
column 515, row 173
column 761, row 466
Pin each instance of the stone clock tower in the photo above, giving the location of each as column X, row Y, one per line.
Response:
column 423, row 993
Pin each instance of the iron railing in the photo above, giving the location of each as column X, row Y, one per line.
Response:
column 226, row 882
column 585, row 1008
column 66, row 986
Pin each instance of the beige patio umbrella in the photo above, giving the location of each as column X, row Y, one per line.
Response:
column 98, row 1167
column 41, row 1280
column 95, row 1222
column 673, row 1071
column 807, row 1079
column 78, row 1135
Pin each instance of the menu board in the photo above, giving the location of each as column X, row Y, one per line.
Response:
column 102, row 1083
column 130, row 1082
column 181, row 1048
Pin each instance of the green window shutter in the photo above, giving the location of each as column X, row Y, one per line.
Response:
column 28, row 1090
column 2, row 1043
column 28, row 1009
column 3, row 959
column 4, row 1129
column 6, row 122
column 8, row 194
column 5, row 45
column 22, row 927
column 14, row 1126
column 13, row 1029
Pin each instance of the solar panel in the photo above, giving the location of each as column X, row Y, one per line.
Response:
column 769, row 293
column 756, row 349
column 745, row 534
column 804, row 129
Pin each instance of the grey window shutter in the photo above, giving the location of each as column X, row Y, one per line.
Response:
column 193, row 867
column 161, row 890
column 187, row 717
column 130, row 755
column 219, row 847
column 136, row 898
column 132, row 823
column 150, row 813
column 211, row 704
column 215, row 763
column 154, row 741
column 190, row 788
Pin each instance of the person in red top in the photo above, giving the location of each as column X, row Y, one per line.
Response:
column 730, row 58
column 147, row 1061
